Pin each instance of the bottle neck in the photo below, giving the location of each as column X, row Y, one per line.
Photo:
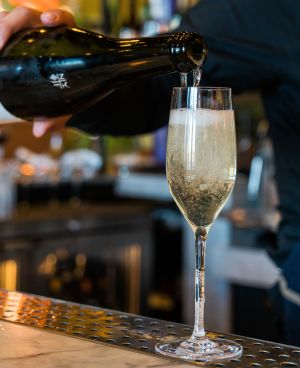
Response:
column 182, row 51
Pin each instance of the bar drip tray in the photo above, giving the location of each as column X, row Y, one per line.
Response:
column 130, row 331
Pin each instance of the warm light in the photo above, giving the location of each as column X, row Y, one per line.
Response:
column 27, row 170
column 80, row 260
column 138, row 63
column 48, row 267
column 51, row 259
column 134, row 253
column 41, row 5
column 8, row 275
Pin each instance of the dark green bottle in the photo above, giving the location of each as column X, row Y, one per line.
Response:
column 47, row 72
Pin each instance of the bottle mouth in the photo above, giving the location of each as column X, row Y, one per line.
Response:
column 189, row 51
column 197, row 49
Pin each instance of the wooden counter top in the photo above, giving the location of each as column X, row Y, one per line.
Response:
column 27, row 347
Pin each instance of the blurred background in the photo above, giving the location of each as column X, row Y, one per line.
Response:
column 91, row 219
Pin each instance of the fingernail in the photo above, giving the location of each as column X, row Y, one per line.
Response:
column 38, row 129
column 50, row 17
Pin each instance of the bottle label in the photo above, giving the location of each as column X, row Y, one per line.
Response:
column 7, row 117
column 59, row 80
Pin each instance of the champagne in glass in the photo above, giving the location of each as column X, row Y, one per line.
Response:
column 201, row 170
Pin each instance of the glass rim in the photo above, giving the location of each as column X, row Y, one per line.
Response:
column 203, row 88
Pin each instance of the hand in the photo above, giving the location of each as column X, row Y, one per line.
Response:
column 42, row 126
column 22, row 18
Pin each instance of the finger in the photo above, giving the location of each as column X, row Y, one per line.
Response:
column 19, row 18
column 56, row 17
column 41, row 127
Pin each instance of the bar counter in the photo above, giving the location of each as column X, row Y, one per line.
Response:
column 28, row 347
column 42, row 332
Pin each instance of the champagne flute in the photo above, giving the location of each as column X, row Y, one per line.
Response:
column 201, row 171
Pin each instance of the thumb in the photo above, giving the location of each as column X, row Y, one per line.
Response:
column 42, row 126
column 57, row 17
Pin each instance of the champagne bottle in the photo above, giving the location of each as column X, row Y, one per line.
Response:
column 48, row 72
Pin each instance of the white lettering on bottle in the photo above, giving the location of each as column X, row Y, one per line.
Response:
column 59, row 80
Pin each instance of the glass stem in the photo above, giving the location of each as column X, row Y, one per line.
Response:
column 200, row 248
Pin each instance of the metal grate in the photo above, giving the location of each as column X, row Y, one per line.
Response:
column 130, row 331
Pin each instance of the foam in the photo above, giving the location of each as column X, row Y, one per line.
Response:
column 203, row 117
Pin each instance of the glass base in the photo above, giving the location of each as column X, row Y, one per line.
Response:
column 203, row 350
